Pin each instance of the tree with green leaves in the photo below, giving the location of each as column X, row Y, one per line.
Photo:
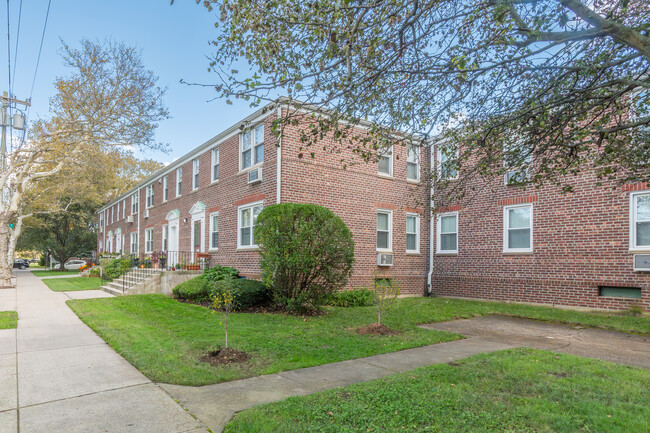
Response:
column 109, row 103
column 561, row 84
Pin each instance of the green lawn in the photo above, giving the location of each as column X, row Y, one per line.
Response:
column 518, row 390
column 165, row 339
column 8, row 319
column 71, row 284
column 53, row 273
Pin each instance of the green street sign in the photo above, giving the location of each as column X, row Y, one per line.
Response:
column 12, row 226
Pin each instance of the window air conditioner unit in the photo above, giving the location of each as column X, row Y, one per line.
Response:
column 129, row 219
column 146, row 213
column 642, row 262
column 384, row 259
column 255, row 176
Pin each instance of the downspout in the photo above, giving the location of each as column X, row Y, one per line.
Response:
column 431, row 227
column 139, row 216
column 278, row 175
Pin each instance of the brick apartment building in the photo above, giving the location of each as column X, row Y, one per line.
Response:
column 508, row 243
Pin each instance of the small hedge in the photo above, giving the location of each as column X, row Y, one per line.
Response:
column 219, row 272
column 352, row 298
column 194, row 290
column 117, row 267
column 247, row 293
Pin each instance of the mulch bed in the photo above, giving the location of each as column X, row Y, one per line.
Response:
column 375, row 329
column 225, row 356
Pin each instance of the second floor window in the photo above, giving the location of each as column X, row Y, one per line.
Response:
column 252, row 147
column 149, row 196
column 195, row 173
column 447, row 157
column 134, row 203
column 385, row 163
column 179, row 181
column 165, row 189
column 215, row 164
column 412, row 162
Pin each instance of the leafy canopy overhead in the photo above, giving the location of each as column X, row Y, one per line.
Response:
column 554, row 75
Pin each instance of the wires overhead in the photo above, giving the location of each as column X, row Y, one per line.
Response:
column 40, row 49
column 13, row 74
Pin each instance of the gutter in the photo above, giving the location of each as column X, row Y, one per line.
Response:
column 431, row 227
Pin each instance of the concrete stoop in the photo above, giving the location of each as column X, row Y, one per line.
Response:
column 156, row 281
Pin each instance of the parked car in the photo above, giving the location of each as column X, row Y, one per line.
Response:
column 73, row 265
column 21, row 264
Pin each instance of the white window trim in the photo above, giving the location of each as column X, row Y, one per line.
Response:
column 134, row 235
column 417, row 233
column 211, row 248
column 215, row 151
column 239, row 210
column 254, row 163
column 149, row 195
column 505, row 229
column 165, row 189
column 134, row 203
column 391, row 160
column 390, row 231
column 633, row 245
column 148, row 250
column 439, row 217
column 195, row 173
column 123, row 208
column 179, row 181
column 526, row 169
column 439, row 162
column 418, row 156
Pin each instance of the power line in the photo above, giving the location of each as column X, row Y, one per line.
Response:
column 40, row 49
column 8, row 120
column 20, row 14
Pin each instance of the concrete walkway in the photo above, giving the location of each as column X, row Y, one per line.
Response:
column 215, row 405
column 57, row 375
column 609, row 346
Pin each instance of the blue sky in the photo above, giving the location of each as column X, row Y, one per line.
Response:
column 174, row 41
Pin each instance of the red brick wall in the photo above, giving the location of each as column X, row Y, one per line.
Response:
column 580, row 242
column 354, row 194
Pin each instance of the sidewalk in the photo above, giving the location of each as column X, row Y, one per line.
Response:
column 57, row 375
column 215, row 405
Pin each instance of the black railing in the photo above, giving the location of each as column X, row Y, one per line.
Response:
column 139, row 267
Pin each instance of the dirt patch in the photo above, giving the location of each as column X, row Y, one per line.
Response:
column 375, row 329
column 560, row 375
column 225, row 356
column 453, row 364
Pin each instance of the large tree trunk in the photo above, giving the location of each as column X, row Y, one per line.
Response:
column 6, row 253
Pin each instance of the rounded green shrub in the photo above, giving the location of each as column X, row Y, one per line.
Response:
column 117, row 267
column 306, row 252
column 194, row 290
column 246, row 293
column 352, row 298
column 219, row 272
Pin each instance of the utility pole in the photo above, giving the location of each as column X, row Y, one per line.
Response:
column 18, row 122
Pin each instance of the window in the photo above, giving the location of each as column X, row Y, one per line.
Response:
column 640, row 221
column 246, row 220
column 214, row 231
column 195, row 173
column 518, row 228
column 149, row 196
column 412, row 233
column 165, row 189
column 447, row 231
column 112, row 211
column 101, row 222
column 164, row 237
column 412, row 162
column 215, row 164
column 117, row 212
column 252, row 147
column 384, row 230
column 196, row 235
column 179, row 181
column 148, row 240
column 101, row 246
column 517, row 158
column 134, row 203
column 640, row 104
column 123, row 208
column 134, row 242
column 447, row 157
column 385, row 163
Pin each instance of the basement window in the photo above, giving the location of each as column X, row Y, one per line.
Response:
column 619, row 292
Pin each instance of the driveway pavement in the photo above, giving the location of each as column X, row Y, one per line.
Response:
column 57, row 375
column 609, row 346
